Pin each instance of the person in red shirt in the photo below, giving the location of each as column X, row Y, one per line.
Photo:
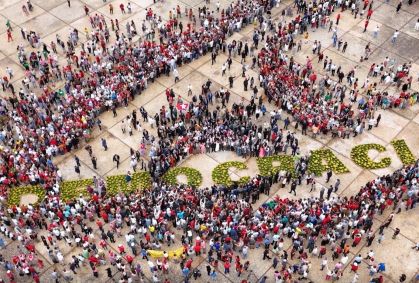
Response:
column 30, row 248
column 129, row 259
column 322, row 251
column 86, row 10
column 99, row 225
column 369, row 14
column 197, row 250
column 188, row 263
column 104, row 215
column 121, row 6
column 227, row 267
column 9, row 36
column 40, row 264
column 35, row 277
column 121, row 249
column 354, row 267
column 103, row 244
column 357, row 239
column 366, row 25
column 10, row 275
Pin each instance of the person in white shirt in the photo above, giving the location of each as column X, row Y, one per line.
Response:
column 376, row 30
column 176, row 75
column 394, row 37
column 10, row 72
column 223, row 69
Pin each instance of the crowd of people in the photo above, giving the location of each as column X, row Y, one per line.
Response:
column 40, row 127
column 218, row 221
column 103, row 78
column 207, row 125
column 321, row 104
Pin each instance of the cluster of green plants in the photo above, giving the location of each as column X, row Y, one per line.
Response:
column 221, row 176
column 194, row 176
column 322, row 160
column 266, row 168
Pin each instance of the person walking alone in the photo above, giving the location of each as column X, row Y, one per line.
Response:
column 399, row 6
column 328, row 175
column 116, row 159
column 367, row 21
column 231, row 80
column 94, row 162
column 293, row 187
column 104, row 144
column 394, row 37
column 176, row 75
column 375, row 32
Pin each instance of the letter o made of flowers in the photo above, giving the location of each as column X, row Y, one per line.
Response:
column 193, row 175
column 15, row 194
column 221, row 176
column 359, row 155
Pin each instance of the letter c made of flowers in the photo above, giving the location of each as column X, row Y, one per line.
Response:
column 359, row 155
column 220, row 174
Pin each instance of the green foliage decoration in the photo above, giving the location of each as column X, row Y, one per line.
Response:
column 221, row 176
column 316, row 166
column 403, row 151
column 15, row 194
column 266, row 168
column 359, row 155
column 193, row 175
column 119, row 183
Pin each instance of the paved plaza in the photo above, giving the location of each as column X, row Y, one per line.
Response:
column 50, row 18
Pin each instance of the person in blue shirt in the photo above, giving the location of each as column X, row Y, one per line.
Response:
column 213, row 275
column 185, row 272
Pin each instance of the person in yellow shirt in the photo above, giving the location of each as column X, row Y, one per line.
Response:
column 86, row 32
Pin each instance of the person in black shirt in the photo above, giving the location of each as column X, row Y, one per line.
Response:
column 116, row 159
